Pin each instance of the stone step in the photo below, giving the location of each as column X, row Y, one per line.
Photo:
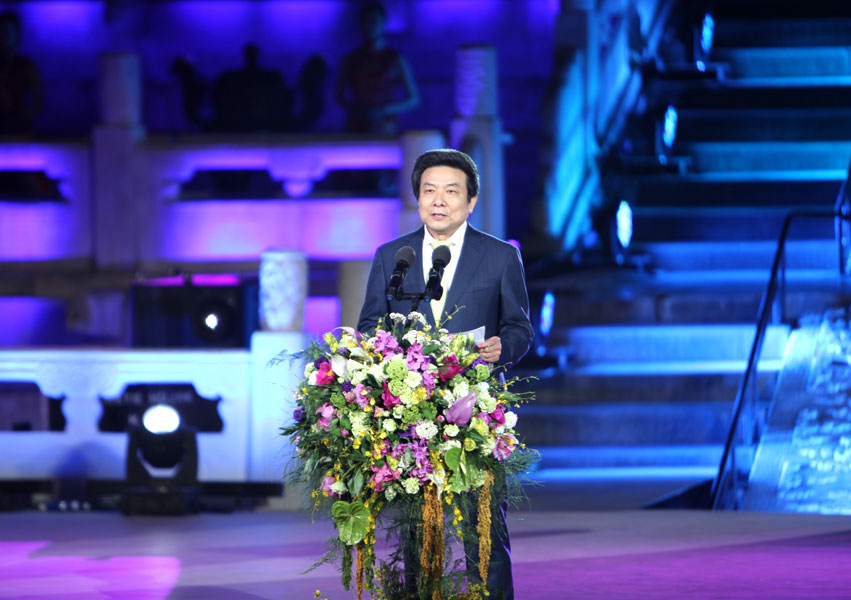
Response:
column 786, row 62
column 625, row 424
column 769, row 30
column 740, row 95
column 657, row 344
column 766, row 156
column 646, row 383
column 597, row 457
column 764, row 124
column 670, row 190
column 717, row 224
column 728, row 255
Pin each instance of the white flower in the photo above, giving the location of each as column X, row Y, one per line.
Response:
column 338, row 365
column 414, row 336
column 446, row 397
column 413, row 379
column 448, row 445
column 487, row 404
column 390, row 493
column 426, row 429
column 398, row 411
column 461, row 389
column 389, row 425
column 311, row 379
column 451, row 430
column 358, row 377
column 354, row 366
column 397, row 317
column 308, row 369
column 411, row 485
column 487, row 446
column 416, row 317
column 377, row 371
column 358, row 426
column 510, row 419
column 338, row 487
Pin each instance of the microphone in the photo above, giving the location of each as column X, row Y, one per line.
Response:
column 439, row 259
column 404, row 259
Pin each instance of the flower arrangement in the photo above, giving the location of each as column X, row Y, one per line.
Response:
column 407, row 424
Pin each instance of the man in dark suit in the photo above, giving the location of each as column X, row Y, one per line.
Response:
column 484, row 285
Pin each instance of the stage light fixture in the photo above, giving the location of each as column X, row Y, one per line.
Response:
column 707, row 33
column 161, row 418
column 161, row 468
column 546, row 321
column 669, row 128
column 214, row 320
column 623, row 224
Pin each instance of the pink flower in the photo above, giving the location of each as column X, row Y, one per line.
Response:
column 326, row 484
column 484, row 417
column 415, row 357
column 450, row 368
column 382, row 475
column 344, row 432
column 428, row 381
column 460, row 412
column 389, row 399
column 386, row 344
column 498, row 415
column 326, row 413
column 362, row 395
column 325, row 375
column 505, row 445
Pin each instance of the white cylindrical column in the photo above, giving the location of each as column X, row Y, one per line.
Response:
column 413, row 143
column 120, row 89
column 351, row 289
column 476, row 90
column 283, row 290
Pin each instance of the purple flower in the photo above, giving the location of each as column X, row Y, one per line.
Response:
column 382, row 475
column 327, row 482
column 389, row 399
column 479, row 361
column 450, row 368
column 498, row 415
column 505, row 445
column 318, row 362
column 298, row 414
column 460, row 412
column 346, row 386
column 386, row 344
column 415, row 357
column 362, row 395
column 326, row 413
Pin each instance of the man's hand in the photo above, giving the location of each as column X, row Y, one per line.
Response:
column 490, row 349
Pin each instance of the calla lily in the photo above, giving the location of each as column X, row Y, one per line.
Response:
column 460, row 412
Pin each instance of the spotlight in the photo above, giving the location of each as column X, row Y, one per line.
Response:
column 161, row 418
column 546, row 323
column 161, row 465
column 215, row 320
column 669, row 130
column 623, row 224
column 707, row 33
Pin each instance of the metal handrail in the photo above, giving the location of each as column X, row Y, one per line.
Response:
column 777, row 281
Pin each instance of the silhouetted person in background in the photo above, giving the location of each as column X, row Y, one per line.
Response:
column 20, row 83
column 192, row 91
column 252, row 99
column 375, row 82
column 311, row 92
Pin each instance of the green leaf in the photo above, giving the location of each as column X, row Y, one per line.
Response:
column 453, row 458
column 430, row 348
column 351, row 519
column 356, row 484
column 458, row 483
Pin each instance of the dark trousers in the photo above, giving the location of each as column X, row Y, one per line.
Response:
column 500, row 583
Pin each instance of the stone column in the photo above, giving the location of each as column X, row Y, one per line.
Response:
column 413, row 143
column 283, row 290
column 116, row 220
column 351, row 289
column 477, row 130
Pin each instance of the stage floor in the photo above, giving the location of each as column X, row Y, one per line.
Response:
column 558, row 554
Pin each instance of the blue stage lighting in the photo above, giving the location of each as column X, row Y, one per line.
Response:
column 623, row 222
column 161, row 418
column 547, row 310
column 707, row 33
column 669, row 131
column 212, row 321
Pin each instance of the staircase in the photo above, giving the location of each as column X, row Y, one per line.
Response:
column 650, row 355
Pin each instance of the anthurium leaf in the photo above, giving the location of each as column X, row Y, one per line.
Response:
column 453, row 457
column 351, row 519
column 458, row 483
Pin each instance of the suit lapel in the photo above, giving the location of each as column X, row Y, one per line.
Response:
column 468, row 264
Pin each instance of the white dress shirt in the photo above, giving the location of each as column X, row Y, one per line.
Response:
column 455, row 243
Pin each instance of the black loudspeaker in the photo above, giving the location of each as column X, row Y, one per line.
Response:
column 193, row 316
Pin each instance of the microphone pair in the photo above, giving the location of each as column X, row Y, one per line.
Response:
column 403, row 260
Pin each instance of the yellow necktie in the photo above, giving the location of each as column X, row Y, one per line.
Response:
column 437, row 305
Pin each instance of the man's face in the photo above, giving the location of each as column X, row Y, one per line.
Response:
column 443, row 201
